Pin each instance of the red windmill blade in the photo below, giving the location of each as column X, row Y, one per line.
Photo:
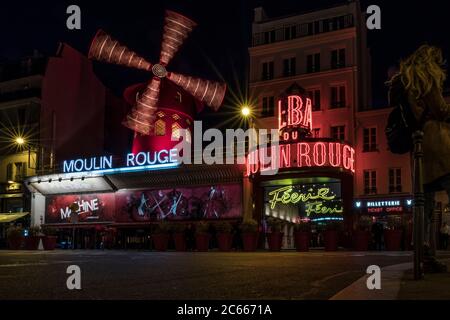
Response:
column 176, row 30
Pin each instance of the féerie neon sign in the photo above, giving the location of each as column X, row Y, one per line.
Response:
column 317, row 201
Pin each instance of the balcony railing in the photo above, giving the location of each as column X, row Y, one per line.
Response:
column 302, row 30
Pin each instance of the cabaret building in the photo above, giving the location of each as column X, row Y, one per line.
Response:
column 309, row 75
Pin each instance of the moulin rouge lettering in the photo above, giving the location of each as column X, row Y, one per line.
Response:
column 132, row 160
column 295, row 149
column 302, row 154
column 317, row 201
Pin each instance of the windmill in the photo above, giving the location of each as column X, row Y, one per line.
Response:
column 176, row 29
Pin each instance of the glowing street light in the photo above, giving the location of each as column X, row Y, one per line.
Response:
column 245, row 110
column 20, row 141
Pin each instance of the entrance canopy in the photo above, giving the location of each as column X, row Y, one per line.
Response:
column 89, row 182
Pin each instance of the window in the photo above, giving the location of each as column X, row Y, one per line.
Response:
column 20, row 171
column 9, row 172
column 395, row 180
column 314, row 95
column 269, row 36
column 370, row 182
column 315, row 133
column 289, row 67
column 338, row 133
column 267, row 70
column 290, row 32
column 337, row 97
column 176, row 133
column 338, row 58
column 160, row 128
column 268, row 107
column 313, row 63
column 370, row 140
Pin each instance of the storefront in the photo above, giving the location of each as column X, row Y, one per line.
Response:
column 118, row 209
column 313, row 180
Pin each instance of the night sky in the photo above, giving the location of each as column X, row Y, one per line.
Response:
column 218, row 46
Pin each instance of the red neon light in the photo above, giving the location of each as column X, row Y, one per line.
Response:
column 348, row 159
column 319, row 162
column 335, row 154
column 302, row 154
column 285, row 155
column 296, row 114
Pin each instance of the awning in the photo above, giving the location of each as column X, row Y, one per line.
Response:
column 10, row 217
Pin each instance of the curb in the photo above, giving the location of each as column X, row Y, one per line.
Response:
column 391, row 277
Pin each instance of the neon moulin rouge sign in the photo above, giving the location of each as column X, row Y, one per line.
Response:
column 296, row 149
column 143, row 160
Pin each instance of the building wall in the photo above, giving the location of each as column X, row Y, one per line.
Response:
column 380, row 160
column 73, row 107
column 357, row 113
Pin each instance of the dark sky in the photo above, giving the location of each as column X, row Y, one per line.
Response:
column 218, row 46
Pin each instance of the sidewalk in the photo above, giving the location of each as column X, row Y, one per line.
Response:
column 397, row 283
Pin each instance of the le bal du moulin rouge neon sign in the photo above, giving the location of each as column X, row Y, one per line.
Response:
column 296, row 149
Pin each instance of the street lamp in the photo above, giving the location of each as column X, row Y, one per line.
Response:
column 20, row 141
column 245, row 111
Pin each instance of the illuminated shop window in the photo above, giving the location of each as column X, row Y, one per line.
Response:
column 176, row 133
column 160, row 128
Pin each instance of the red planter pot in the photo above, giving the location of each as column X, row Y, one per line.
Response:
column 250, row 241
column 224, row 241
column 32, row 243
column 393, row 239
column 49, row 242
column 202, row 241
column 361, row 240
column 302, row 239
column 275, row 240
column 15, row 243
column 330, row 238
column 161, row 242
column 179, row 241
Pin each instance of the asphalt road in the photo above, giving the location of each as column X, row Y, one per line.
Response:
column 189, row 275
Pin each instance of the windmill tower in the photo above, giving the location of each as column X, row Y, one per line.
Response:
column 167, row 102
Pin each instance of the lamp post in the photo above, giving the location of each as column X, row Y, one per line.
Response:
column 419, row 205
column 246, row 113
